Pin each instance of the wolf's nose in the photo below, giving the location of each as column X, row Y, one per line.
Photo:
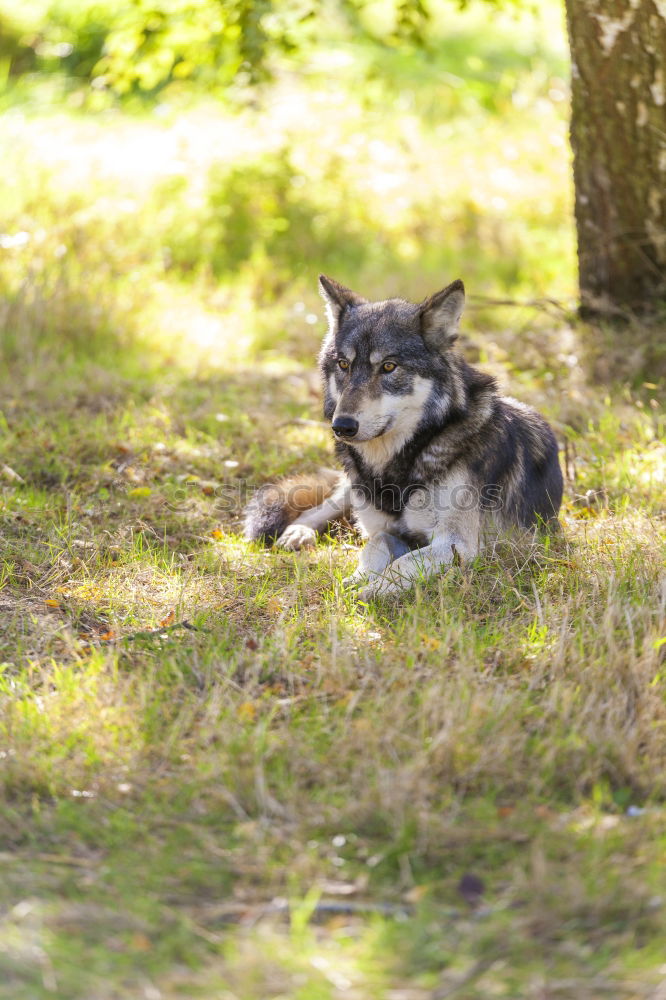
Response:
column 345, row 427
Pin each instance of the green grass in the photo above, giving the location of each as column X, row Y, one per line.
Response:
column 281, row 800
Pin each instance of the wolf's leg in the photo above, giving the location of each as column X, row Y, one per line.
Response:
column 379, row 551
column 402, row 573
column 302, row 532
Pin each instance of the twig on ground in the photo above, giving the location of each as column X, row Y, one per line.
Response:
column 545, row 304
column 152, row 632
column 149, row 633
column 324, row 908
column 477, row 970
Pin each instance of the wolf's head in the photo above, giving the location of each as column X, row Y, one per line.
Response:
column 387, row 365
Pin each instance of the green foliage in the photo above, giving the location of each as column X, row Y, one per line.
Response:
column 143, row 45
column 59, row 37
column 150, row 44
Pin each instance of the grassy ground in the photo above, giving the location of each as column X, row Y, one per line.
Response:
column 221, row 777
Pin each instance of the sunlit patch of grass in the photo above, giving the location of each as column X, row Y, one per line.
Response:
column 65, row 726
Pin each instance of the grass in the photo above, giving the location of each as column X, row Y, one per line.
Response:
column 292, row 796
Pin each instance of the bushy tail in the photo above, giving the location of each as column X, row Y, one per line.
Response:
column 277, row 505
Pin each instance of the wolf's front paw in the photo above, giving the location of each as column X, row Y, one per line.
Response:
column 297, row 536
column 355, row 580
column 379, row 586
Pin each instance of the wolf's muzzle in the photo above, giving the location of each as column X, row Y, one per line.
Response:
column 345, row 427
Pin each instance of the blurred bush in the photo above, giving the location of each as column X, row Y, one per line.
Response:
column 17, row 56
column 267, row 216
column 64, row 37
column 141, row 46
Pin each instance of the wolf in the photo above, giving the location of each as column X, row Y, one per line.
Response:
column 434, row 457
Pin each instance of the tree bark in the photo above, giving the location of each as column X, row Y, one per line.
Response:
column 618, row 137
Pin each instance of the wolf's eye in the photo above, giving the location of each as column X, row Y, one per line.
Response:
column 343, row 364
column 389, row 366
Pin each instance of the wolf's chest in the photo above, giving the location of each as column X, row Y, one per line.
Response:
column 423, row 510
column 408, row 511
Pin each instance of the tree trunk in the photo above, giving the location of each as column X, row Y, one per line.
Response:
column 618, row 136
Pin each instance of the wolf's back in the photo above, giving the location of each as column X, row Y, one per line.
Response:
column 275, row 506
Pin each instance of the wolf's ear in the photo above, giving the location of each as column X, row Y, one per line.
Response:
column 337, row 298
column 440, row 315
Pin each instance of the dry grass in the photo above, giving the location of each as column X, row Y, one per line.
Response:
column 506, row 720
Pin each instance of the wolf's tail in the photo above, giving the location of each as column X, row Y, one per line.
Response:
column 277, row 505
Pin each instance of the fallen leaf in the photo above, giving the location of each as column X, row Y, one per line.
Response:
column 107, row 636
column 52, row 604
column 274, row 606
column 416, row 894
column 337, row 922
column 169, row 620
column 209, row 487
column 247, row 711
column 140, row 491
